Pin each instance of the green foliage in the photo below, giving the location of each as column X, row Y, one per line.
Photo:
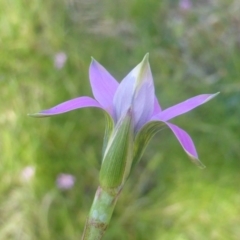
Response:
column 191, row 52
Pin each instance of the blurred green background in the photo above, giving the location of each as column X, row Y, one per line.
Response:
column 194, row 49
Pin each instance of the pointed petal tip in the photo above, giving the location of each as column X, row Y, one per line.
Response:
column 93, row 60
column 196, row 161
column 212, row 96
column 146, row 55
column 145, row 58
column 36, row 115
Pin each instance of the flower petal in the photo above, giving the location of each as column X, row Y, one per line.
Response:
column 136, row 91
column 143, row 105
column 186, row 142
column 103, row 84
column 123, row 97
column 183, row 107
column 143, row 102
column 157, row 108
column 80, row 102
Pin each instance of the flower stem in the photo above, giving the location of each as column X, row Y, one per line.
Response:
column 100, row 214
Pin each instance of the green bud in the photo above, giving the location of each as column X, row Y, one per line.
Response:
column 118, row 155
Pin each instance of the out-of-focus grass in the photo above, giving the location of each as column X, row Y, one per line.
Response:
column 191, row 52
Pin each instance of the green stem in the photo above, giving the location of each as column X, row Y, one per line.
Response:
column 100, row 214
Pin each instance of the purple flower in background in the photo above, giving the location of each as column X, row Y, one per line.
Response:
column 185, row 4
column 60, row 60
column 65, row 181
column 28, row 173
column 134, row 97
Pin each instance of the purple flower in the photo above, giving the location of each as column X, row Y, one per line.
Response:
column 185, row 4
column 133, row 97
column 28, row 173
column 65, row 181
column 60, row 60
